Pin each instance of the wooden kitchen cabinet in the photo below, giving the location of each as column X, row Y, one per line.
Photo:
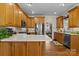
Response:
column 2, row 14
column 59, row 22
column 29, row 48
column 9, row 15
column 5, row 49
column 16, row 16
column 34, row 20
column 29, row 23
column 33, row 23
column 40, row 19
column 59, row 37
column 74, row 17
column 34, row 48
column 74, row 44
column 19, row 48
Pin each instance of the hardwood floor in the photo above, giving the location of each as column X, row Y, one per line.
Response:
column 58, row 50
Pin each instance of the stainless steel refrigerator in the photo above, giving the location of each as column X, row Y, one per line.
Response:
column 39, row 29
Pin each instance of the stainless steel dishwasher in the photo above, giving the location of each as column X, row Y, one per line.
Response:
column 67, row 40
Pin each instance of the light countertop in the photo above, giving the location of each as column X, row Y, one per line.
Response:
column 25, row 37
column 68, row 33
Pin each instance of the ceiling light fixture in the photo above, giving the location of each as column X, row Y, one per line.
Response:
column 54, row 12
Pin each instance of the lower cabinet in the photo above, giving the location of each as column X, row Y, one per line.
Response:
column 59, row 37
column 21, row 48
column 5, row 48
column 74, row 43
column 35, row 48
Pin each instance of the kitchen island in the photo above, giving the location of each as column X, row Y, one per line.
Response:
column 23, row 45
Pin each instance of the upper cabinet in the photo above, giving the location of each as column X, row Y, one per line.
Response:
column 34, row 20
column 9, row 15
column 31, row 22
column 74, row 17
column 39, row 19
column 59, row 22
column 17, row 20
column 2, row 14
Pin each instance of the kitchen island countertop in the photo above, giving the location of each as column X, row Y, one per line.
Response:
column 25, row 37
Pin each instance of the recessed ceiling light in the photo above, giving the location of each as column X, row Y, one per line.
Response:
column 29, row 4
column 54, row 12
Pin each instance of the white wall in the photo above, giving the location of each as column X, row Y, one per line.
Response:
column 51, row 20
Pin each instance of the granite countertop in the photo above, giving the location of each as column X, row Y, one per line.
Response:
column 68, row 33
column 25, row 37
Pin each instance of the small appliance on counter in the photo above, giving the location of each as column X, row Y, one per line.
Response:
column 30, row 30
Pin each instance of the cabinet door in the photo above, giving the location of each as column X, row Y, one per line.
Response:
column 19, row 18
column 5, row 49
column 19, row 49
column 33, row 48
column 70, row 19
column 41, row 19
column 29, row 23
column 2, row 14
column 9, row 15
column 16, row 15
column 59, row 22
column 33, row 23
column 74, row 42
column 74, row 17
column 61, row 38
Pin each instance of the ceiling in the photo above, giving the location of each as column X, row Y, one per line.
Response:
column 46, row 9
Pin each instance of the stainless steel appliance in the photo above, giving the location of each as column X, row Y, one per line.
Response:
column 39, row 29
column 67, row 40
